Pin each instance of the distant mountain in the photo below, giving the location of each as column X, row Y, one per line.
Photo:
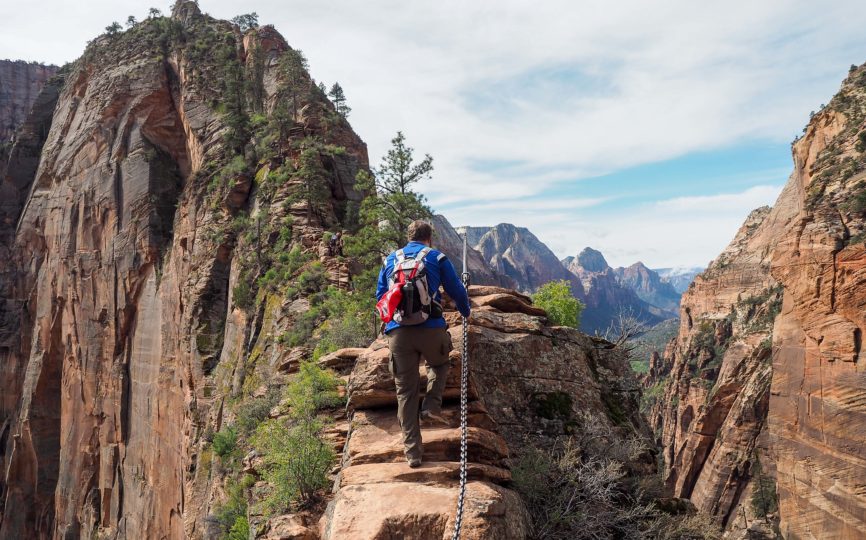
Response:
column 605, row 296
column 447, row 240
column 680, row 277
column 650, row 287
column 517, row 253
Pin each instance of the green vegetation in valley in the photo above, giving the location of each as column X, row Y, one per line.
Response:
column 563, row 309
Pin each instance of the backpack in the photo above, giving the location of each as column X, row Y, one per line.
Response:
column 408, row 300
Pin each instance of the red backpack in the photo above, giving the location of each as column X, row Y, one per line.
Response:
column 408, row 300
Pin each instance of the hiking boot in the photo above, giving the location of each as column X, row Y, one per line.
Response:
column 414, row 463
column 428, row 417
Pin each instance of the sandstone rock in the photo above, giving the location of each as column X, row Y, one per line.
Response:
column 117, row 329
column 717, row 369
column 341, row 361
column 815, row 421
column 507, row 303
column 290, row 362
column 289, row 527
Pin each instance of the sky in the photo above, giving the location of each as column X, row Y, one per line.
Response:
column 647, row 130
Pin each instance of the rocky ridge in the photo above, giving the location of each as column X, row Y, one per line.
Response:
column 514, row 357
column 605, row 297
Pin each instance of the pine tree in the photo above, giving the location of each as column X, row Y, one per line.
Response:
column 113, row 28
column 247, row 21
column 293, row 65
column 153, row 13
column 385, row 216
column 338, row 98
column 130, row 21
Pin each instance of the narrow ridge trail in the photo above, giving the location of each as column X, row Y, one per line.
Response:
column 378, row 496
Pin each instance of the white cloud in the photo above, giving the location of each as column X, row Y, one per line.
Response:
column 562, row 89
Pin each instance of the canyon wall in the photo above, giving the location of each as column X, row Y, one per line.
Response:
column 816, row 409
column 765, row 376
column 116, row 274
column 20, row 84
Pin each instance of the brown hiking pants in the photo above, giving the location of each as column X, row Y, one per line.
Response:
column 408, row 344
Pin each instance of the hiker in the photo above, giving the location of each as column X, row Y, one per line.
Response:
column 420, row 330
column 338, row 244
column 332, row 244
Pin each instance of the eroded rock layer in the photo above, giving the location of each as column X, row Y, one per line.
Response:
column 768, row 363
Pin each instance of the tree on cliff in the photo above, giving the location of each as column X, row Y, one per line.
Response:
column 131, row 21
column 562, row 307
column 293, row 66
column 385, row 216
column 339, row 99
column 247, row 21
column 113, row 28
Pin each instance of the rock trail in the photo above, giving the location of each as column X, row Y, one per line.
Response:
column 377, row 495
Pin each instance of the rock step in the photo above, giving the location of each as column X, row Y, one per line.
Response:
column 376, row 437
column 421, row 512
column 430, row 472
column 371, row 384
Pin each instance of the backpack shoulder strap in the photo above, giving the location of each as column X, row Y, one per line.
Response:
column 400, row 256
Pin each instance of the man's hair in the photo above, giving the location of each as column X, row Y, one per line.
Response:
column 420, row 231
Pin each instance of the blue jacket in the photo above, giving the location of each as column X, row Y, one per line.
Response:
column 440, row 271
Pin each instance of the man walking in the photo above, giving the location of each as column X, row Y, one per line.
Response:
column 430, row 338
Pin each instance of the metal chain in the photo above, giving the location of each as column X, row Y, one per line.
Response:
column 464, row 390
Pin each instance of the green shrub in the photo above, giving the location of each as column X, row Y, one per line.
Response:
column 240, row 529
column 296, row 460
column 351, row 321
column 251, row 412
column 562, row 307
column 232, row 513
column 313, row 388
column 225, row 441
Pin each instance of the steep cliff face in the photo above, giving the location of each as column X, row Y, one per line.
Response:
column 122, row 261
column 712, row 385
column 517, row 253
column 767, row 363
column 20, row 84
column 816, row 403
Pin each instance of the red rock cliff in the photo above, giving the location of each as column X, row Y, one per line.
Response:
column 816, row 418
column 768, row 361
column 116, row 274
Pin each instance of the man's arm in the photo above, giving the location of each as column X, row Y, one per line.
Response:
column 382, row 285
column 453, row 286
